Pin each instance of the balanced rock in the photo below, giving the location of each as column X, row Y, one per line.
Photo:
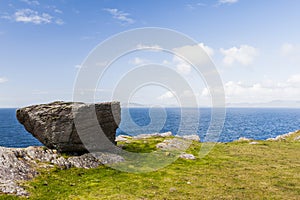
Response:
column 71, row 127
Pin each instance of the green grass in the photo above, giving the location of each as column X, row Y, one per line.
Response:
column 237, row 170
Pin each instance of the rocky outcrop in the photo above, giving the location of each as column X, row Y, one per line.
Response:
column 20, row 164
column 54, row 124
column 294, row 136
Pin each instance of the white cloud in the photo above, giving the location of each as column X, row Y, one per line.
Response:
column 138, row 61
column 59, row 21
column 167, row 95
column 228, row 1
column 182, row 67
column 120, row 15
column 264, row 91
column 195, row 54
column 194, row 6
column 31, row 16
column 207, row 49
column 290, row 51
column 3, row 79
column 31, row 3
column 243, row 55
column 294, row 79
column 153, row 47
column 58, row 11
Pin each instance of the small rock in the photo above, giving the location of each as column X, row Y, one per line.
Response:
column 173, row 145
column 297, row 138
column 243, row 139
column 253, row 143
column 122, row 138
column 108, row 158
column 187, row 156
column 166, row 134
column 189, row 137
column 145, row 136
column 172, row 189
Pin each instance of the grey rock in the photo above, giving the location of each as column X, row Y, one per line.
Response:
column 19, row 164
column 57, row 124
column 187, row 156
column 253, row 143
column 297, row 138
column 122, row 138
column 176, row 144
column 108, row 158
column 283, row 137
column 243, row 139
column 13, row 169
column 145, row 136
column 189, row 137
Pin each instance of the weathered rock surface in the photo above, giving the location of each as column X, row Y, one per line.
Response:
column 54, row 124
column 190, row 137
column 187, row 156
column 293, row 135
column 175, row 144
column 20, row 164
column 145, row 136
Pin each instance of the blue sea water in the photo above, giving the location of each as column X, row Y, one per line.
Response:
column 12, row 133
column 256, row 123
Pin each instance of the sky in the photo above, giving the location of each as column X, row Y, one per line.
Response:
column 254, row 44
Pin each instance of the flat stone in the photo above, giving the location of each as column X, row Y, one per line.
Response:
column 190, row 137
column 253, row 143
column 145, row 136
column 176, row 144
column 187, row 156
column 122, row 138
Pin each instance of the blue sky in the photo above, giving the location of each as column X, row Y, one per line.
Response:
column 254, row 44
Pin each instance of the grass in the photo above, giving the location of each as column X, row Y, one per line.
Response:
column 237, row 170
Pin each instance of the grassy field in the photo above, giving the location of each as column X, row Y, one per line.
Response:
column 236, row 170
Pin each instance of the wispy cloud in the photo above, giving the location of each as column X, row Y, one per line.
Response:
column 227, row 1
column 59, row 22
column 194, row 6
column 290, row 52
column 3, row 79
column 166, row 95
column 31, row 16
column 139, row 61
column 58, row 11
column 31, row 2
column 121, row 16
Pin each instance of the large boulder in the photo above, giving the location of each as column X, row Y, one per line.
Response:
column 57, row 124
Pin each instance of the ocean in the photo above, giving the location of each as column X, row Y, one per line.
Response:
column 256, row 123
